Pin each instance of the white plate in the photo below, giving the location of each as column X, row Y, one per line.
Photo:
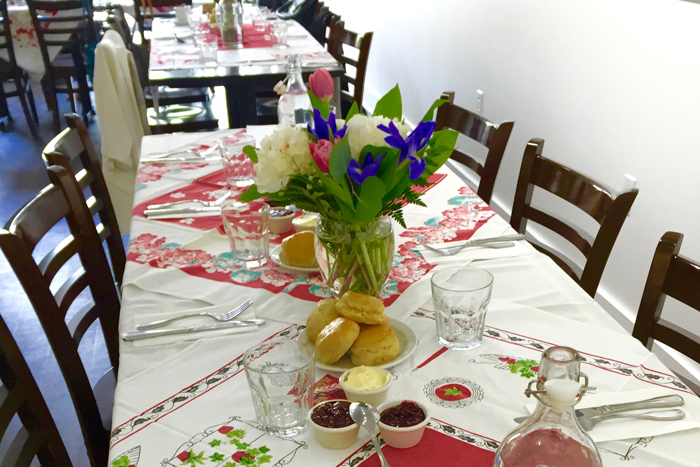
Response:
column 407, row 344
column 275, row 255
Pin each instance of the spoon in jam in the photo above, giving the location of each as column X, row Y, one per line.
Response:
column 366, row 416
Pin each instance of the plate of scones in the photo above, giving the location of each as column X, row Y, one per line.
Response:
column 354, row 331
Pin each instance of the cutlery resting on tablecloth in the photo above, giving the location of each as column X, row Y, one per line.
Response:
column 135, row 335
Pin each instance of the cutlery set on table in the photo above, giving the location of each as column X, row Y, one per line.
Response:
column 225, row 321
column 186, row 207
column 183, row 155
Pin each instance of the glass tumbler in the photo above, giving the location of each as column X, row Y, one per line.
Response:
column 281, row 378
column 461, row 297
column 237, row 166
column 247, row 228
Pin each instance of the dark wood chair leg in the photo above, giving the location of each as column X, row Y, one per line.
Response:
column 25, row 108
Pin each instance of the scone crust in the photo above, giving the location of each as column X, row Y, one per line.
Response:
column 361, row 308
column 298, row 250
column 320, row 317
column 374, row 345
column 335, row 339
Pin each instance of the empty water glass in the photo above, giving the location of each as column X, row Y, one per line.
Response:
column 208, row 47
column 237, row 165
column 461, row 297
column 280, row 30
column 247, row 228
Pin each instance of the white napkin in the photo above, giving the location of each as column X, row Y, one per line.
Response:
column 197, row 321
column 466, row 256
column 245, row 56
column 628, row 428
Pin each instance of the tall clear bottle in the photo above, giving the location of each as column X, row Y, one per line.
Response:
column 294, row 104
column 230, row 19
column 552, row 436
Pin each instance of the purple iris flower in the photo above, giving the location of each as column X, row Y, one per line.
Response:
column 409, row 147
column 368, row 169
column 326, row 129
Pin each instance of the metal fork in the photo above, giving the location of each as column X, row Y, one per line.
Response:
column 505, row 241
column 222, row 317
column 212, row 204
column 587, row 423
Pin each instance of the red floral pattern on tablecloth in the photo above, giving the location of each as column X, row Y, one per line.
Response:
column 154, row 172
column 408, row 267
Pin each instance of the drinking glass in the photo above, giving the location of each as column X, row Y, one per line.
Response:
column 237, row 166
column 194, row 18
column 461, row 297
column 280, row 376
column 280, row 30
column 247, row 228
column 208, row 47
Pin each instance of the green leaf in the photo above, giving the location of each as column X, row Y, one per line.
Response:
column 216, row 457
column 340, row 159
column 319, row 104
column 453, row 391
column 439, row 150
column 251, row 194
column 123, row 461
column 215, row 443
column 390, row 104
column 264, row 449
column 264, row 459
column 369, row 201
column 236, row 434
column 352, row 112
column 430, row 114
column 251, row 152
column 339, row 190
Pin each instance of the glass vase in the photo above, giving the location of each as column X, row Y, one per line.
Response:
column 355, row 257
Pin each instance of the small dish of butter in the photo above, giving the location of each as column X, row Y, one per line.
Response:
column 366, row 384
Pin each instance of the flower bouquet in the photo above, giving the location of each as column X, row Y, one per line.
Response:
column 356, row 174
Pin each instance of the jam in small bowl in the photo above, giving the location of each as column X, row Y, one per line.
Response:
column 332, row 424
column 402, row 423
column 280, row 220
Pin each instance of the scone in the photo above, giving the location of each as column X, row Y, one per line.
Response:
column 374, row 345
column 335, row 339
column 298, row 250
column 320, row 317
column 361, row 308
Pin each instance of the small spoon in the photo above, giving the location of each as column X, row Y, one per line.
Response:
column 366, row 416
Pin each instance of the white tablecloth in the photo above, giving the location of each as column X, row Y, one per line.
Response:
column 190, row 399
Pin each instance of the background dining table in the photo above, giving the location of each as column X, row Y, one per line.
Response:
column 244, row 72
column 184, row 400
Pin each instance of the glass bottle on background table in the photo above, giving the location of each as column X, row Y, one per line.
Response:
column 230, row 19
column 294, row 104
column 552, row 436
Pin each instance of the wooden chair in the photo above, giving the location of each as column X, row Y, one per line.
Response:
column 147, row 10
column 489, row 134
column 677, row 277
column 338, row 38
column 73, row 150
column 302, row 11
column 590, row 197
column 59, row 202
column 10, row 73
column 67, row 25
column 38, row 436
column 322, row 20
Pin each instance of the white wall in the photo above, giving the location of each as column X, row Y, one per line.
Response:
column 613, row 86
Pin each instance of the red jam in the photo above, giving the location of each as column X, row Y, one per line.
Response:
column 279, row 212
column 332, row 414
column 407, row 413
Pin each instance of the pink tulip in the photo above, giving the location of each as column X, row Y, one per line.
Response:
column 321, row 84
column 321, row 152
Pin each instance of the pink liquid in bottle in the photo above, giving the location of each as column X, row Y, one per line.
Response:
column 547, row 448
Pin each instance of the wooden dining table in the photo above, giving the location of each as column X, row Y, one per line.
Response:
column 184, row 399
column 244, row 73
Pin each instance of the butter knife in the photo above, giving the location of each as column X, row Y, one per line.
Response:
column 149, row 160
column 173, row 211
column 135, row 335
column 673, row 400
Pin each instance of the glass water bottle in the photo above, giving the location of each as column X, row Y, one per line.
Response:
column 230, row 19
column 552, row 436
column 294, row 104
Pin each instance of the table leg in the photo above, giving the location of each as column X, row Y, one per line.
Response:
column 240, row 103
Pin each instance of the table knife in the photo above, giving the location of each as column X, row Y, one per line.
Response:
column 135, row 335
column 673, row 400
column 171, row 211
column 165, row 160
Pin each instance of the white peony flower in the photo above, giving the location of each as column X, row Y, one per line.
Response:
column 362, row 130
column 281, row 154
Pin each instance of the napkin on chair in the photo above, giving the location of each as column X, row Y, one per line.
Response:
column 195, row 321
column 628, row 428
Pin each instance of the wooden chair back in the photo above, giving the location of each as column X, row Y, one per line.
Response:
column 319, row 25
column 485, row 132
column 678, row 277
column 73, row 150
column 66, row 24
column 37, row 437
column 6, row 36
column 589, row 196
column 338, row 38
column 59, row 202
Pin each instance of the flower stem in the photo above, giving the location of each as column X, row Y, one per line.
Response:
column 368, row 264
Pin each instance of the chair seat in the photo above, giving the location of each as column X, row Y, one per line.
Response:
column 104, row 394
